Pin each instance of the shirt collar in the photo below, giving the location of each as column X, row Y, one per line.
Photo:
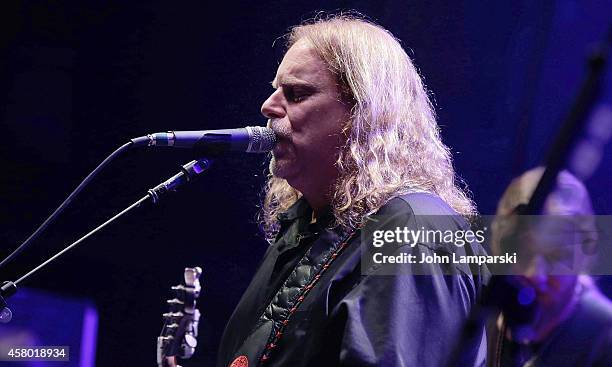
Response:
column 302, row 210
column 299, row 209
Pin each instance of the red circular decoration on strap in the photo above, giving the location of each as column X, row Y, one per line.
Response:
column 241, row 361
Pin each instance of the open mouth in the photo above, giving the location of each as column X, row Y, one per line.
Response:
column 281, row 148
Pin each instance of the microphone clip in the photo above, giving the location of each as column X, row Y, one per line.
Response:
column 189, row 172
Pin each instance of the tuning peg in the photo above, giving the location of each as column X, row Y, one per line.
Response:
column 173, row 314
column 171, row 328
column 173, row 317
column 175, row 304
column 178, row 291
column 175, row 301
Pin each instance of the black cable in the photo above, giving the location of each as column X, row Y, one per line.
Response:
column 89, row 234
column 188, row 173
column 66, row 202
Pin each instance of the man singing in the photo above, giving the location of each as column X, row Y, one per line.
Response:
column 358, row 151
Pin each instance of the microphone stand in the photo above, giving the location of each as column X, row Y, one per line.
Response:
column 188, row 173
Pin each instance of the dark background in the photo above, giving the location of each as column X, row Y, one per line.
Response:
column 79, row 78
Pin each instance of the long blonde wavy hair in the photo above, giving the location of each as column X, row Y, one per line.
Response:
column 393, row 143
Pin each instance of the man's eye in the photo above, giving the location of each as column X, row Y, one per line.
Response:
column 294, row 96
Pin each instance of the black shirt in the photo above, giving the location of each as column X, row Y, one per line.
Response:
column 313, row 301
column 583, row 340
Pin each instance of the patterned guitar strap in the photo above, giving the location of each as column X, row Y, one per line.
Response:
column 285, row 303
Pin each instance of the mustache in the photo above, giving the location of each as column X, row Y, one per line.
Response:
column 281, row 130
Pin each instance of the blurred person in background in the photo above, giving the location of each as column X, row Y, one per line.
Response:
column 571, row 323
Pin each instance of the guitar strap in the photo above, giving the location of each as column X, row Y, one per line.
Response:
column 263, row 339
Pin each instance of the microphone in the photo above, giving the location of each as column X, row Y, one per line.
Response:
column 250, row 139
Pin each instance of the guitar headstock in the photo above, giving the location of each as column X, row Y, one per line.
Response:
column 178, row 336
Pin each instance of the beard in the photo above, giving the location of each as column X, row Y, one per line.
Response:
column 284, row 167
column 274, row 169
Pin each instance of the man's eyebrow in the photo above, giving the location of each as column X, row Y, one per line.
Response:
column 291, row 81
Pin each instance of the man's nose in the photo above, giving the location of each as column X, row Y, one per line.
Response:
column 537, row 271
column 273, row 107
